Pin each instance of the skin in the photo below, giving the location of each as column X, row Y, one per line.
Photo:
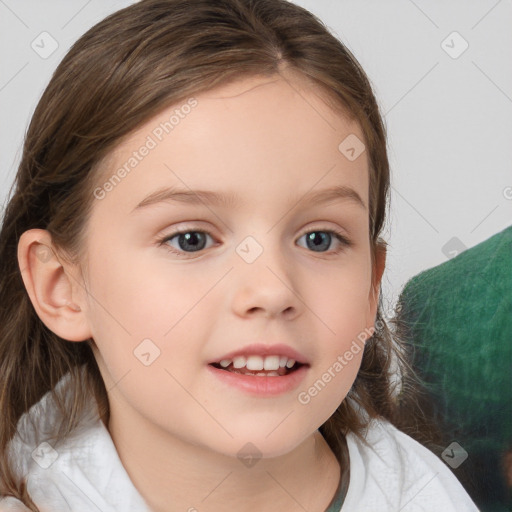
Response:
column 178, row 429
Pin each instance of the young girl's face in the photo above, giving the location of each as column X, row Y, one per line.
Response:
column 257, row 264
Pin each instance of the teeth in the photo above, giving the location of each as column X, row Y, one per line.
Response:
column 271, row 363
column 239, row 362
column 255, row 363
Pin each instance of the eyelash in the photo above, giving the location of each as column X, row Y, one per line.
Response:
column 344, row 241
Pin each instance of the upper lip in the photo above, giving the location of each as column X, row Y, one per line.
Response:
column 259, row 349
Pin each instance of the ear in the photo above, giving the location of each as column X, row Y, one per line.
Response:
column 56, row 294
column 378, row 271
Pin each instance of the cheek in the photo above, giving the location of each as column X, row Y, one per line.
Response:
column 340, row 303
column 144, row 326
column 140, row 308
column 340, row 300
column 139, row 297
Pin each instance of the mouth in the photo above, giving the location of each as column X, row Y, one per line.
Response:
column 260, row 376
column 256, row 366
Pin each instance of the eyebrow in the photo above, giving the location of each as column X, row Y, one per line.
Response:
column 224, row 199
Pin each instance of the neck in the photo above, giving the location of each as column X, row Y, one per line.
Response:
column 172, row 475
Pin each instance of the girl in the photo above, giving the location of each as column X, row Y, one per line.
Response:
column 190, row 272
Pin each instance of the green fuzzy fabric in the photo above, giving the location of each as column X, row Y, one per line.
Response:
column 459, row 318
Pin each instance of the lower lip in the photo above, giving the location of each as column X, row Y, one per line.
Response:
column 261, row 386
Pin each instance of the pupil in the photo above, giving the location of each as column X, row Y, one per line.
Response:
column 317, row 240
column 186, row 239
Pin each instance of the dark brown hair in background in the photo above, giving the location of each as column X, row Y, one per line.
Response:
column 117, row 76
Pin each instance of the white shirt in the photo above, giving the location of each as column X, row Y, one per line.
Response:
column 83, row 473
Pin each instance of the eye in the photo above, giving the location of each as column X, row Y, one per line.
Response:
column 319, row 238
column 187, row 241
column 190, row 241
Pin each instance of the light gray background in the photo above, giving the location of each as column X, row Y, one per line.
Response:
column 449, row 120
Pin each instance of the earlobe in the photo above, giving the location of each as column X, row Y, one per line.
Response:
column 49, row 286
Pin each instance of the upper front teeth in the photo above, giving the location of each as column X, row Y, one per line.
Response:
column 259, row 363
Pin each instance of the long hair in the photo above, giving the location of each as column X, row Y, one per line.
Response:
column 116, row 77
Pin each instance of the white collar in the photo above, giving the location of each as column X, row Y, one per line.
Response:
column 87, row 474
column 64, row 476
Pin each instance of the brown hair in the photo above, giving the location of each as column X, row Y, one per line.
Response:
column 118, row 75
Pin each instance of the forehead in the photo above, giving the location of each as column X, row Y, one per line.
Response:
column 279, row 130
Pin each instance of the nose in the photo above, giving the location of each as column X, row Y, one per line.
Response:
column 267, row 286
